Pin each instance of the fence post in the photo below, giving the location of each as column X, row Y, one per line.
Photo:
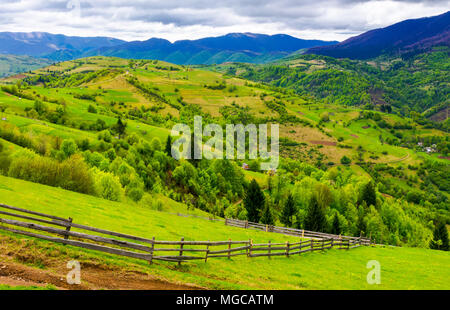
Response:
column 68, row 228
column 270, row 251
column 303, row 233
column 251, row 245
column 323, row 241
column 181, row 251
column 267, row 228
column 332, row 243
column 207, row 252
column 287, row 248
column 229, row 249
column 151, row 250
column 246, row 224
column 312, row 244
column 226, row 221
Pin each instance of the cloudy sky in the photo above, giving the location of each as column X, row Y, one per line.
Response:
column 192, row 19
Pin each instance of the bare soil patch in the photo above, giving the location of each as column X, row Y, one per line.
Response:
column 19, row 266
column 330, row 143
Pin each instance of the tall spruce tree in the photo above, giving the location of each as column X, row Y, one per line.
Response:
column 194, row 149
column 440, row 237
column 336, row 226
column 120, row 127
column 369, row 195
column 267, row 217
column 168, row 149
column 315, row 219
column 288, row 211
column 361, row 225
column 254, row 201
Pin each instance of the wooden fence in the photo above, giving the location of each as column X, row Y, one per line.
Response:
column 68, row 232
column 290, row 231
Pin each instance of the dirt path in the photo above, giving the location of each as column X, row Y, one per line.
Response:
column 92, row 278
column 19, row 267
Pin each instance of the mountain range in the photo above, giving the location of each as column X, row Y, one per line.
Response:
column 233, row 47
column 243, row 47
column 409, row 36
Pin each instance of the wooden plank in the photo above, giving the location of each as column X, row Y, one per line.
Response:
column 207, row 253
column 33, row 212
column 279, row 248
column 80, row 244
column 181, row 251
column 228, row 250
column 226, row 255
column 53, row 222
column 64, row 233
column 152, row 250
column 111, row 233
column 211, row 243
column 177, row 250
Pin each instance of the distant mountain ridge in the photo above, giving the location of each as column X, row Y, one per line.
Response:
column 40, row 44
column 243, row 47
column 409, row 36
column 236, row 47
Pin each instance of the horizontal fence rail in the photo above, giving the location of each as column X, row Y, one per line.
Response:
column 63, row 231
column 289, row 231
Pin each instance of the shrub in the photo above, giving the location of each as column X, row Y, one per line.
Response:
column 69, row 148
column 345, row 160
column 135, row 194
column 108, row 186
column 72, row 174
column 92, row 109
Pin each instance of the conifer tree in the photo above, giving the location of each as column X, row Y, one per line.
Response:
column 369, row 195
column 267, row 217
column 315, row 219
column 336, row 226
column 440, row 238
column 254, row 201
column 120, row 127
column 169, row 146
column 288, row 211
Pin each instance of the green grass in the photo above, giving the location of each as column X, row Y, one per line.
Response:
column 401, row 268
column 26, row 288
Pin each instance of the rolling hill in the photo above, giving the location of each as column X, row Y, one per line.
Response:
column 407, row 37
column 13, row 64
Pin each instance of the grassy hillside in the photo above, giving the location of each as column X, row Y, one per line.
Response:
column 416, row 83
column 401, row 268
column 13, row 64
column 69, row 112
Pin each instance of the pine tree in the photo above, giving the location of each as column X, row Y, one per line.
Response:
column 336, row 227
column 267, row 217
column 369, row 195
column 288, row 211
column 194, row 148
column 120, row 127
column 361, row 225
column 254, row 200
column 169, row 145
column 440, row 238
column 315, row 219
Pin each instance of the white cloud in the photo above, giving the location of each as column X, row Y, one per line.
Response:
column 191, row 19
